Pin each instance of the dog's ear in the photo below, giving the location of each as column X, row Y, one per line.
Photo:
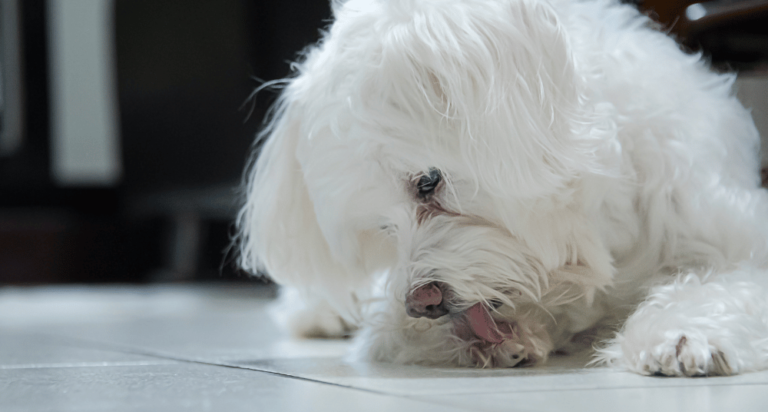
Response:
column 499, row 78
column 278, row 231
column 277, row 218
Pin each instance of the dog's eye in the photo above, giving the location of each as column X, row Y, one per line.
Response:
column 428, row 182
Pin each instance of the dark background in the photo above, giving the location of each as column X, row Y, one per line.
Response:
column 185, row 70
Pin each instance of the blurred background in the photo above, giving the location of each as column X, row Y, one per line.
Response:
column 125, row 124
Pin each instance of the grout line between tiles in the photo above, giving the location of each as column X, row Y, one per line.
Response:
column 162, row 355
column 167, row 356
column 656, row 385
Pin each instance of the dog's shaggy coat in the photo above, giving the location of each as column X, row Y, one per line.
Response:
column 480, row 182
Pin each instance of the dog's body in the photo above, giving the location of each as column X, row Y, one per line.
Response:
column 475, row 182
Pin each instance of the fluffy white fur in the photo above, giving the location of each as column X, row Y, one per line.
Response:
column 594, row 175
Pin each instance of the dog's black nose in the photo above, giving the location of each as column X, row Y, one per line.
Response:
column 426, row 301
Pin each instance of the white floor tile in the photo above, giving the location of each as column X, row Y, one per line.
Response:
column 135, row 348
column 184, row 321
column 437, row 381
column 699, row 398
column 26, row 350
column 185, row 387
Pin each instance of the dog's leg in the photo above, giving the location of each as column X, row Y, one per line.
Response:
column 695, row 327
column 307, row 315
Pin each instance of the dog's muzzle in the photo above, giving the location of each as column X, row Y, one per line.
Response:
column 426, row 301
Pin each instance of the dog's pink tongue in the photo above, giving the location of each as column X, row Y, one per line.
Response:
column 483, row 325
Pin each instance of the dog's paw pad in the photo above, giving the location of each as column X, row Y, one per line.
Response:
column 684, row 356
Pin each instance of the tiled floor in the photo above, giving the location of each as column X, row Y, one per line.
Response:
column 212, row 348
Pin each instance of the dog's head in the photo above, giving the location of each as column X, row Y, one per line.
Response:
column 445, row 142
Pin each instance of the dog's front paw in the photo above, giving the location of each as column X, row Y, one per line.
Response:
column 694, row 328
column 308, row 316
column 682, row 354
column 520, row 345
column 504, row 355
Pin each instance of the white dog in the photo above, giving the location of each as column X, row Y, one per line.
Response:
column 481, row 182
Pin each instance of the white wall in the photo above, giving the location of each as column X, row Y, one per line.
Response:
column 84, row 130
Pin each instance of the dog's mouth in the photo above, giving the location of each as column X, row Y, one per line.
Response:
column 475, row 323
column 483, row 326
